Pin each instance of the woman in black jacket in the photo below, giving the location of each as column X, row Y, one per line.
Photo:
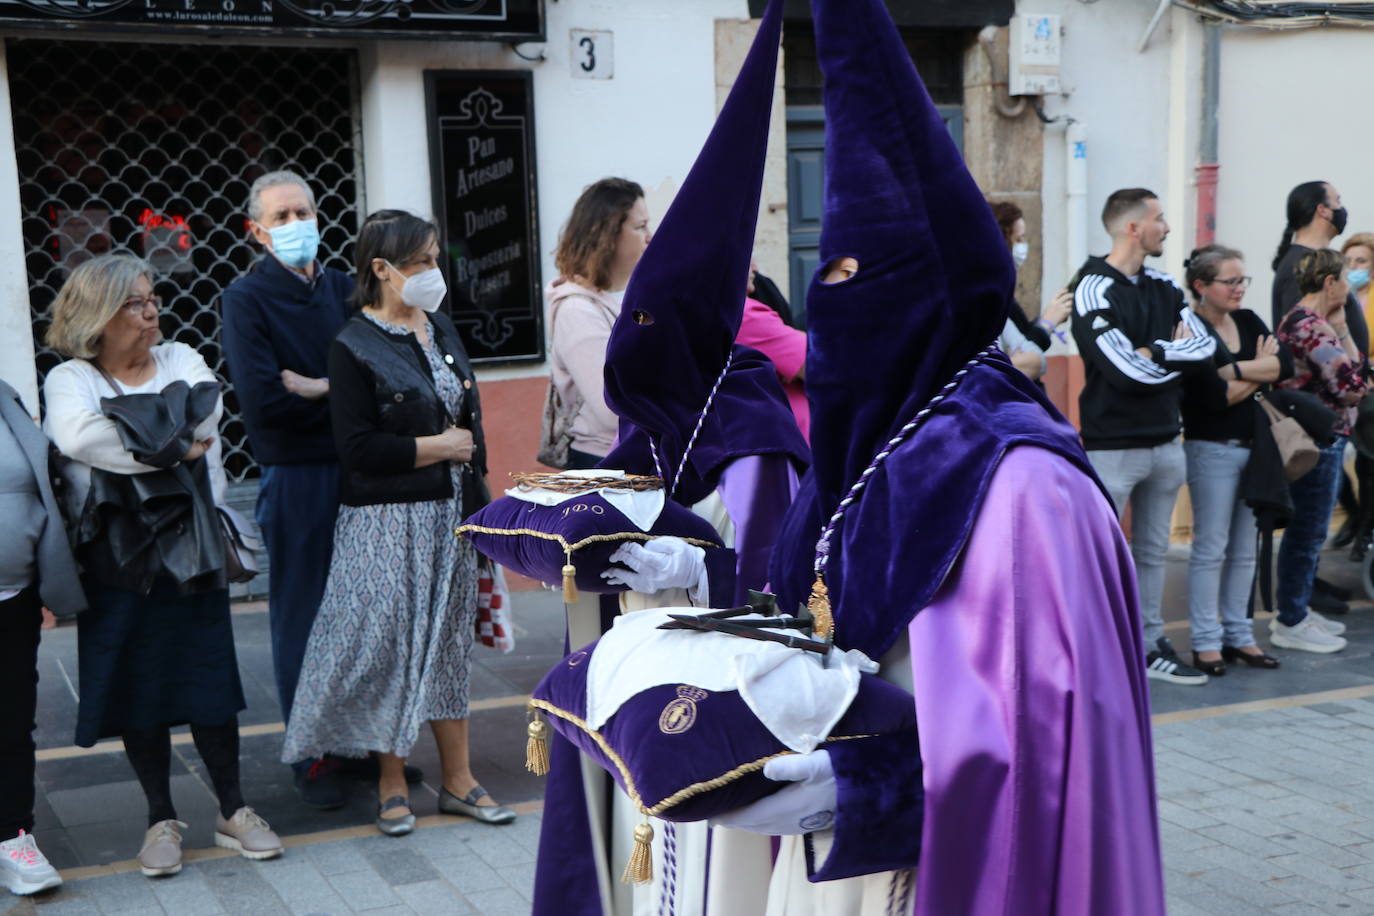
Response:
column 1219, row 417
column 391, row 645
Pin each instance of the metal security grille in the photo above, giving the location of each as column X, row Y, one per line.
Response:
column 150, row 149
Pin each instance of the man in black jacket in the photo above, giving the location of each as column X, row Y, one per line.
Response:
column 1137, row 335
column 279, row 320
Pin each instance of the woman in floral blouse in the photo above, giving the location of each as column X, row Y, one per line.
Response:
column 1326, row 363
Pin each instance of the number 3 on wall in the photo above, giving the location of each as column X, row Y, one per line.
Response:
column 592, row 56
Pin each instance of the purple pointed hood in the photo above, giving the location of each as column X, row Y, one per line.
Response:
column 933, row 289
column 935, row 278
column 684, row 303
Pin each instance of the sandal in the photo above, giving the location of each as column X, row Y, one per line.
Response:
column 1254, row 660
column 395, row 826
column 468, row 807
column 1211, row 669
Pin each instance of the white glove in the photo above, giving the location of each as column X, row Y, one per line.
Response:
column 661, row 564
column 806, row 805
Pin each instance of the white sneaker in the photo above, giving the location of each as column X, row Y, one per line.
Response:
column 1307, row 636
column 1332, row 627
column 25, row 869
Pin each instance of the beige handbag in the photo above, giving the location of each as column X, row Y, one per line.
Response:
column 555, row 429
column 1296, row 448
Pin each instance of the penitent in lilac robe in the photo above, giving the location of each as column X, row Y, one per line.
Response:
column 1033, row 711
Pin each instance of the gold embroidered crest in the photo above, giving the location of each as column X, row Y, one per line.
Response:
column 681, row 714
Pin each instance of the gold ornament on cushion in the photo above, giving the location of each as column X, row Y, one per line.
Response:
column 818, row 605
column 537, row 745
column 640, row 868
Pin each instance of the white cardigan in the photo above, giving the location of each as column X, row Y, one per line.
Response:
column 72, row 392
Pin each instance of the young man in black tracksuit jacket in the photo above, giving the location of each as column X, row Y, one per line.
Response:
column 1137, row 336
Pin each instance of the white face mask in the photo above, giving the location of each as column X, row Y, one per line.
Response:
column 1020, row 252
column 424, row 290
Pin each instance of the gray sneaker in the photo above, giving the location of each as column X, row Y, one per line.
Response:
column 161, row 852
column 1307, row 636
column 1333, row 627
column 247, row 834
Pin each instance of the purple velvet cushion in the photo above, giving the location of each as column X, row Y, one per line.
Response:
column 534, row 540
column 704, row 747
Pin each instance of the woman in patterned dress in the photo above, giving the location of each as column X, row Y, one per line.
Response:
column 391, row 646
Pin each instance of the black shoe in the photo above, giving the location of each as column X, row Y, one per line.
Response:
column 319, row 785
column 368, row 770
column 1211, row 669
column 1327, row 603
column 1330, row 588
column 1165, row 665
column 1260, row 660
column 1359, row 548
column 1344, row 534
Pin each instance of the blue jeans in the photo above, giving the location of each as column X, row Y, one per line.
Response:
column 1148, row 480
column 297, row 505
column 1221, row 566
column 1314, row 496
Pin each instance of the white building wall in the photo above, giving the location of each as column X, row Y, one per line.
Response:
column 646, row 123
column 1290, row 113
column 1123, row 98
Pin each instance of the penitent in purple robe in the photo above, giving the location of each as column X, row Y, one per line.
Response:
column 1034, row 712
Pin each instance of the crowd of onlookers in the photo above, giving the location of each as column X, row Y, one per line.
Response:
column 1183, row 384
column 363, row 413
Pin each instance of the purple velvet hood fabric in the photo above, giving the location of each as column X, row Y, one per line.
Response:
column 933, row 288
column 683, row 307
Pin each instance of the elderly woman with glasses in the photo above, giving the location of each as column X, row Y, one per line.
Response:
column 1218, row 423
column 156, row 647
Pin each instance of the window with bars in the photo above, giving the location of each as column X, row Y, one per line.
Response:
column 151, row 148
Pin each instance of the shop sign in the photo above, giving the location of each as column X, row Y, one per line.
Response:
column 482, row 160
column 504, row 20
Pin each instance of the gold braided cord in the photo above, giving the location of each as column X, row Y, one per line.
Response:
column 569, row 547
column 681, row 795
column 560, row 483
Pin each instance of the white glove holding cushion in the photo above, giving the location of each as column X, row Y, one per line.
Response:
column 660, row 564
column 806, row 805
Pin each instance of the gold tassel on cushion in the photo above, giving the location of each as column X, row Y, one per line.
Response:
column 569, row 581
column 818, row 605
column 640, row 868
column 537, row 746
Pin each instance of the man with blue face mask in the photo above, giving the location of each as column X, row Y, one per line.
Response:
column 279, row 320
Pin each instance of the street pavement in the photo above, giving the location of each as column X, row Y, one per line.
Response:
column 1266, row 792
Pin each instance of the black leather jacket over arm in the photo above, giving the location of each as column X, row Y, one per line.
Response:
column 382, row 397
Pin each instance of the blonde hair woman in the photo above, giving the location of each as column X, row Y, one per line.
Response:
column 156, row 649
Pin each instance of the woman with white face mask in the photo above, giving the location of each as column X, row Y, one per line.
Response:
column 390, row 648
column 1024, row 340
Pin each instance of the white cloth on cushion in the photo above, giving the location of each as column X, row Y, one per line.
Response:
column 641, row 507
column 797, row 695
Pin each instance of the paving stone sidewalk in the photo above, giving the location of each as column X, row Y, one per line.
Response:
column 448, row 868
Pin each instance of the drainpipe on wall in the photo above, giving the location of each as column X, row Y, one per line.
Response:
column 1208, row 166
column 1075, row 197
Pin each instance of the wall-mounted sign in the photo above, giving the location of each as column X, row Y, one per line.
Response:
column 505, row 20
column 482, row 159
column 593, row 54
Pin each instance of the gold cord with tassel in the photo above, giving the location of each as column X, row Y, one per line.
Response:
column 640, row 868
column 569, row 580
column 537, row 746
column 823, row 623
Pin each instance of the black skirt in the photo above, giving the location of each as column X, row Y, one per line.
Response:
column 155, row 660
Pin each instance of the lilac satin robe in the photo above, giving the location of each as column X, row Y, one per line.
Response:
column 1034, row 721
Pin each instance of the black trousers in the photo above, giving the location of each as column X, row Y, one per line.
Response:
column 20, row 620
